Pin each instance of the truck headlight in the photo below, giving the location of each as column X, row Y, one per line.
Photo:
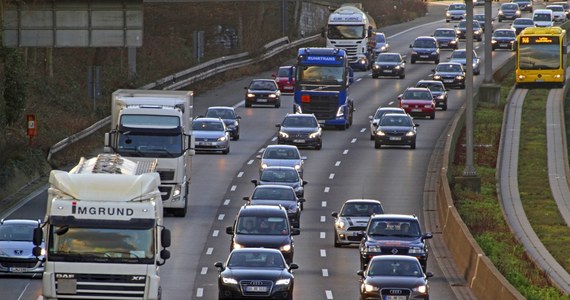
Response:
column 176, row 191
column 283, row 134
column 285, row 248
column 229, row 280
column 340, row 112
column 416, row 250
column 283, row 281
column 422, row 289
column 370, row 288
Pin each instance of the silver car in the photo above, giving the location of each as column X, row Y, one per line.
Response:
column 211, row 135
column 378, row 115
column 16, row 247
column 460, row 56
column 282, row 176
column 352, row 220
column 281, row 156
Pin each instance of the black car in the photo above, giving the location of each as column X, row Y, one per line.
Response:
column 438, row 91
column 446, row 38
column 504, row 39
column 229, row 116
column 519, row 24
column 450, row 73
column 279, row 195
column 396, row 129
column 524, row 5
column 301, row 130
column 394, row 277
column 508, row 11
column 483, row 21
column 389, row 64
column 282, row 176
column 262, row 91
column 394, row 234
column 265, row 226
column 255, row 273
column 425, row 48
column 461, row 30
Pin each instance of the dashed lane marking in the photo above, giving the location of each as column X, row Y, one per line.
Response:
column 331, row 176
column 221, row 217
column 327, row 189
column 234, row 187
column 209, row 251
column 240, row 174
column 204, row 271
column 215, row 233
column 200, row 292
column 227, row 202
column 329, row 294
column 363, row 129
column 250, row 162
column 323, row 219
column 323, row 253
column 323, row 204
column 337, row 163
column 325, row 273
column 345, row 152
column 323, row 235
column 353, row 141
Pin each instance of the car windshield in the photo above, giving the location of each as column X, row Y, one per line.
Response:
column 299, row 122
column 555, row 8
column 479, row 18
column 273, row 194
column 262, row 225
column 361, row 209
column 256, row 260
column 395, row 228
column 394, row 268
column 457, row 7
column 450, row 68
column 435, row 87
column 463, row 24
column 395, row 121
column 504, row 33
column 220, row 113
column 263, row 86
column 381, row 112
column 207, row 126
column 280, row 175
column 523, row 22
column 380, row 38
column 416, row 95
column 388, row 58
column 509, row 7
column 17, row 232
column 424, row 43
column 542, row 17
column 444, row 33
column 284, row 72
column 281, row 153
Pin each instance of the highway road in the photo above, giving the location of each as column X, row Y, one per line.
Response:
column 347, row 167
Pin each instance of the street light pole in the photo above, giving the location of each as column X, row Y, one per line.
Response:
column 488, row 47
column 469, row 165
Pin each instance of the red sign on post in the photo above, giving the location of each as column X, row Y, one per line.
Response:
column 31, row 127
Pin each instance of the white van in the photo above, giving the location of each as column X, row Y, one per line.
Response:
column 543, row 18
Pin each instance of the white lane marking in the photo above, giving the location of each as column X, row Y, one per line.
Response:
column 323, row 204
column 323, row 253
column 200, row 292
column 227, row 202
column 353, row 141
column 391, row 102
column 250, row 162
column 327, row 189
column 412, row 29
column 261, row 150
column 241, row 103
column 345, row 152
column 337, row 163
column 234, row 187
column 325, row 273
column 209, row 251
column 323, row 219
column 204, row 271
column 329, row 294
column 221, row 217
column 331, row 176
column 323, row 235
column 240, row 174
column 357, row 80
column 215, row 233
column 274, row 139
column 25, row 288
column 363, row 129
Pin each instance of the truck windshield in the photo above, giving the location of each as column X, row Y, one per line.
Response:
column 146, row 145
column 346, row 32
column 120, row 245
column 321, row 74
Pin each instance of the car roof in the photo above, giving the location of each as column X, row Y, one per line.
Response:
column 269, row 80
column 389, row 53
column 20, row 221
column 450, row 63
column 262, row 210
column 274, row 186
column 504, row 29
column 508, row 4
column 396, row 115
column 282, row 146
column 425, row 37
column 221, row 107
column 394, row 216
column 301, row 115
column 429, row 81
column 258, row 250
column 395, row 257
column 362, row 201
column 419, row 89
column 205, row 119
column 278, row 168
column 390, row 108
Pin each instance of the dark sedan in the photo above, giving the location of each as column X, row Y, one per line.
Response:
column 301, row 130
column 282, row 176
column 508, row 11
column 461, row 30
column 438, row 91
column 389, row 64
column 396, row 129
column 519, row 24
column 255, row 273
column 450, row 73
column 229, row 116
column 263, row 91
column 394, row 277
column 504, row 39
column 446, row 38
column 279, row 195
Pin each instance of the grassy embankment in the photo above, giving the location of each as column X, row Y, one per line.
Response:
column 482, row 212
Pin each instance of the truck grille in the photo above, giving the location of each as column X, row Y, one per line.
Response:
column 166, row 175
column 324, row 107
column 165, row 192
column 350, row 51
column 101, row 286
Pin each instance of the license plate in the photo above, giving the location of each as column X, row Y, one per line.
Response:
column 416, row 110
column 261, row 100
column 448, row 80
column 395, row 298
column 395, row 138
column 298, row 141
column 18, row 270
column 256, row 289
column 443, row 44
column 206, row 144
column 423, row 56
column 387, row 71
column 503, row 45
column 288, row 86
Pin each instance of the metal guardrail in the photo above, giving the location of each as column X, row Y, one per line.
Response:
column 192, row 75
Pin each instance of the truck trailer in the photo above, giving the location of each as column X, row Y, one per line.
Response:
column 104, row 231
column 150, row 125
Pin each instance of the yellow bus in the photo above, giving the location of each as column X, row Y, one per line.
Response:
column 541, row 56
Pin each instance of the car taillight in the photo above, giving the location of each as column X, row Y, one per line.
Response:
column 305, row 98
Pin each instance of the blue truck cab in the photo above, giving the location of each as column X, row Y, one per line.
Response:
column 323, row 76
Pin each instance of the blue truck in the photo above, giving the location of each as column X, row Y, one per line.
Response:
column 323, row 76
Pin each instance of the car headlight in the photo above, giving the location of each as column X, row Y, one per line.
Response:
column 229, row 280
column 43, row 252
column 292, row 209
column 437, row 77
column 222, row 139
column 493, row 41
column 512, row 42
column 284, row 281
column 250, row 95
column 441, row 97
column 453, row 42
column 380, row 132
column 373, row 248
column 459, row 77
column 263, row 166
column 500, row 12
column 405, row 106
column 397, row 68
column 447, row 14
column 285, row 248
column 339, row 224
column 422, row 289
column 416, row 250
column 518, row 13
column 362, row 61
column 238, row 246
column 414, row 53
column 458, row 31
column 410, row 133
column 283, row 134
column 272, row 95
column 370, row 288
column 298, row 167
column 434, row 53
column 376, row 67
column 383, row 48
column 314, row 134
column 298, row 188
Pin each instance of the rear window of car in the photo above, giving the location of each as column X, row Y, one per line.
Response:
column 424, row 43
column 445, row 32
column 284, row 72
column 523, row 22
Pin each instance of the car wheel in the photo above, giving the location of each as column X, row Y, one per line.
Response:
column 226, row 151
column 362, row 265
column 371, row 137
column 302, row 206
column 278, row 104
column 437, row 61
column 374, row 76
column 432, row 116
column 236, row 137
column 500, row 20
column 247, row 104
column 377, row 145
column 446, row 21
column 413, row 145
column 319, row 146
column 336, row 243
column 462, row 86
column 413, row 61
column 477, row 73
column 444, row 107
column 402, row 76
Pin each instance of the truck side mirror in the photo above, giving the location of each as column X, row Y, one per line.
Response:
column 164, row 255
column 38, row 236
column 165, row 238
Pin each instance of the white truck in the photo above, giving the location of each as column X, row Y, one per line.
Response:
column 352, row 29
column 104, row 232
column 150, row 125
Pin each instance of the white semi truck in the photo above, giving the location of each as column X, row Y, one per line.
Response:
column 150, row 125
column 103, row 231
column 352, row 29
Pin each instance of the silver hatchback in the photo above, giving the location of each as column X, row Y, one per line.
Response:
column 281, row 156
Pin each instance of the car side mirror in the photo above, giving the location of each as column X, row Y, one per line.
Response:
column 360, row 273
column 334, row 214
column 427, row 236
column 293, row 266
column 238, row 117
column 416, row 125
column 429, row 274
column 411, row 46
column 255, row 182
column 305, row 182
column 274, row 75
column 295, row 231
column 278, row 125
column 245, row 88
column 219, row 265
column 370, row 118
column 230, row 230
column 301, row 200
column 303, row 158
column 245, row 198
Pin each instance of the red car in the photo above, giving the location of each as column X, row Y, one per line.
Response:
column 285, row 79
column 418, row 102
